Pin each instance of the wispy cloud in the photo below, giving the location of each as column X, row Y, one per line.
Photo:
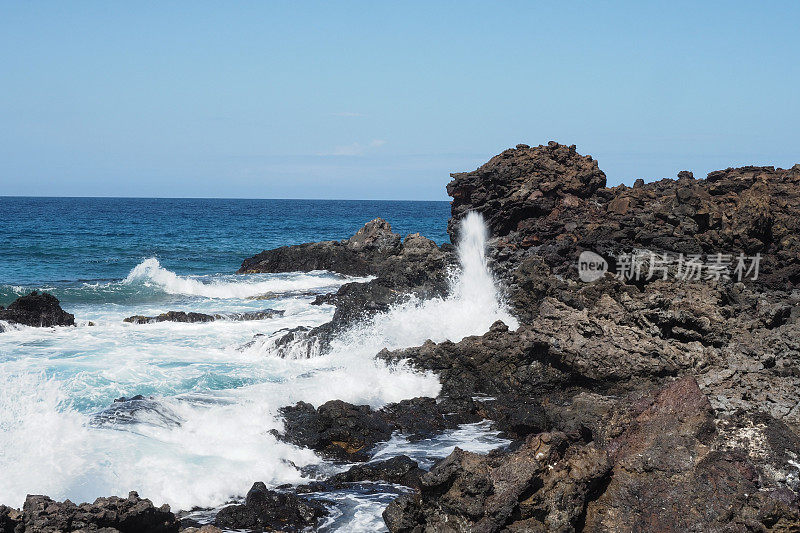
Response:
column 356, row 148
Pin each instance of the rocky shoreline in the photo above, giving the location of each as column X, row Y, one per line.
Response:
column 643, row 401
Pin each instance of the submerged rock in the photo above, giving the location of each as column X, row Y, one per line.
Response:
column 191, row 317
column 272, row 511
column 400, row 470
column 38, row 309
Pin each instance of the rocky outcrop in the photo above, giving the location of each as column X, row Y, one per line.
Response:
column 542, row 486
column 661, row 464
column 38, row 309
column 679, row 392
column 551, row 202
column 342, row 431
column 191, row 317
column 40, row 514
column 400, row 267
column 338, row 430
column 398, row 470
column 269, row 510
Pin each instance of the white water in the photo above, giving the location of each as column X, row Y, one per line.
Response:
column 54, row 380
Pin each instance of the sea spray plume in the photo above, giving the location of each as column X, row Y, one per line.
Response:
column 472, row 305
column 475, row 283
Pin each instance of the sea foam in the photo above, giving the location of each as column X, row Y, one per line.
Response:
column 225, row 400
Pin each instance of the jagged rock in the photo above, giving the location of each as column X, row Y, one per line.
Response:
column 516, row 416
column 40, row 514
column 38, row 309
column 272, row 511
column 183, row 316
column 673, row 471
column 402, row 268
column 521, row 183
column 421, row 418
column 202, row 529
column 661, row 464
column 170, row 316
column 338, row 430
column 400, row 470
column 500, row 361
column 10, row 520
column 542, row 486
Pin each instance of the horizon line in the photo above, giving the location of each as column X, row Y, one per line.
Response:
column 217, row 198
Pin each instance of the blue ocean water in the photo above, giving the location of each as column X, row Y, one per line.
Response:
column 213, row 389
column 98, row 239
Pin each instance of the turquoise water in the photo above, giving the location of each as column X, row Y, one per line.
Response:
column 213, row 389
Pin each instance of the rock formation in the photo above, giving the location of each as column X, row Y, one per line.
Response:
column 37, row 310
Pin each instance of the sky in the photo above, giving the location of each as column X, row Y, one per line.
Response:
column 383, row 100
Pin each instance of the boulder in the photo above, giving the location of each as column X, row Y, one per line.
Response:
column 338, row 430
column 38, row 309
column 270, row 510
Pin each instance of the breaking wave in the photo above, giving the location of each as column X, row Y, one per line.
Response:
column 205, row 433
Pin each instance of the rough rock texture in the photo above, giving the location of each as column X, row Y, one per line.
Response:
column 183, row 316
column 338, row 430
column 680, row 396
column 542, row 486
column 38, row 310
column 398, row 470
column 40, row 514
column 662, row 464
column 552, row 202
column 271, row 511
column 413, row 266
column 345, row 432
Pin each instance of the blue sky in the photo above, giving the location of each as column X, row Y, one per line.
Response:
column 383, row 100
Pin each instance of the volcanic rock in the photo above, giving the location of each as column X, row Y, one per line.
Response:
column 338, row 430
column 38, row 309
column 191, row 317
column 272, row 511
column 40, row 514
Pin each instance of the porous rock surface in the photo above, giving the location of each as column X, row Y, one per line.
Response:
column 37, row 309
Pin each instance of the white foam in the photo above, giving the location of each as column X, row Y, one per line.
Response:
column 226, row 398
column 150, row 273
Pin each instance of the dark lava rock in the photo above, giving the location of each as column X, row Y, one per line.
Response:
column 136, row 410
column 515, row 416
column 664, row 467
column 542, row 486
column 183, row 316
column 402, row 268
column 38, row 309
column 338, row 430
column 346, row 432
column 40, row 514
column 353, row 257
column 522, row 183
column 272, row 511
column 498, row 362
column 171, row 316
column 400, row 470
column 673, row 471
column 10, row 520
column 422, row 418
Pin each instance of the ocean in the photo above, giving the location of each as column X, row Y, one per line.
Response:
column 214, row 394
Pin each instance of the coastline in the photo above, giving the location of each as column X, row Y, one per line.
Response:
column 626, row 401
